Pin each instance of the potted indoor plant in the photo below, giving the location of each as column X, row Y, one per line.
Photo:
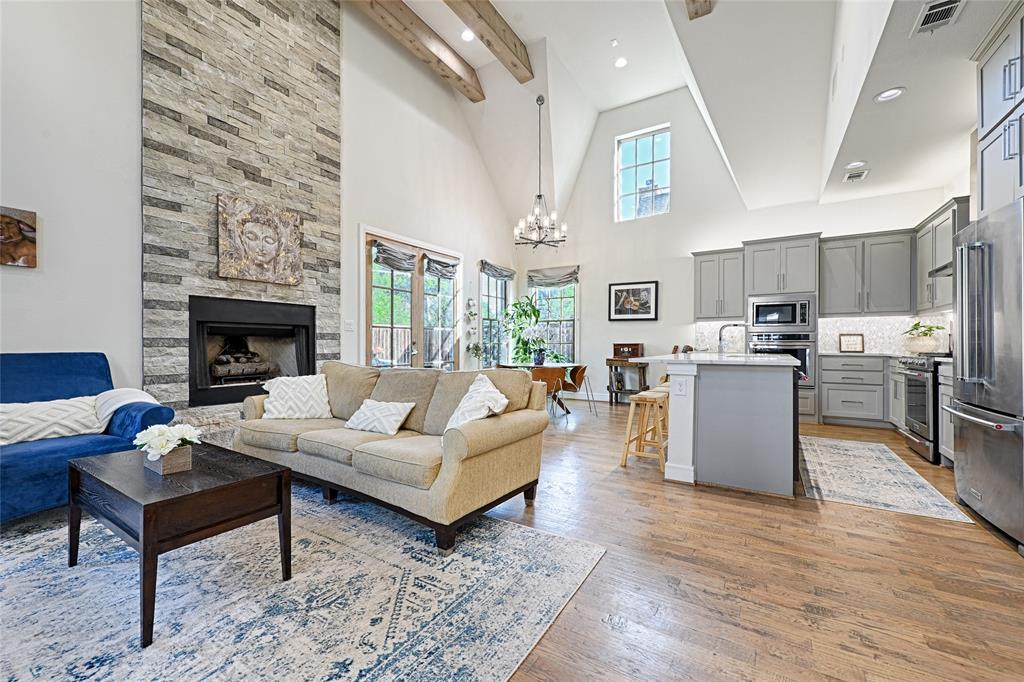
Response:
column 921, row 337
column 168, row 449
column 536, row 342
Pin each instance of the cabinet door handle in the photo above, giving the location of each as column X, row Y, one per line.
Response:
column 783, row 281
column 1006, row 82
column 853, row 402
column 852, row 378
column 867, row 301
column 1012, row 146
column 1013, row 77
column 778, row 281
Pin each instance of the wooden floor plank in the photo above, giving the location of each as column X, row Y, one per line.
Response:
column 701, row 583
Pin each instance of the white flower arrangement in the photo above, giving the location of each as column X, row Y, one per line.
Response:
column 534, row 332
column 157, row 441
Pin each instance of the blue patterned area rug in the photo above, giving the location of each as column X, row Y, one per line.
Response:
column 869, row 475
column 369, row 599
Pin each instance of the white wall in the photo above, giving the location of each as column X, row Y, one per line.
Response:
column 70, row 128
column 409, row 166
column 707, row 213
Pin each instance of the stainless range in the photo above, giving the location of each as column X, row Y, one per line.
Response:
column 922, row 405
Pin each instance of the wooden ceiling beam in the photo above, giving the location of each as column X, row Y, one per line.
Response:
column 405, row 26
column 481, row 17
column 696, row 9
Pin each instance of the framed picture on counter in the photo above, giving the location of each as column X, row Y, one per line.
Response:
column 631, row 301
column 851, row 343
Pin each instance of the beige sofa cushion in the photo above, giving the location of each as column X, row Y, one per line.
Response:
column 452, row 386
column 281, row 434
column 411, row 461
column 338, row 444
column 403, row 385
column 348, row 386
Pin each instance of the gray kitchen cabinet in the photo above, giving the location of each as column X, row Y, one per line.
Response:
column 799, row 265
column 997, row 168
column 781, row 265
column 853, row 388
column 853, row 402
column 840, row 291
column 866, row 275
column 935, row 255
column 718, row 284
column 945, row 421
column 734, row 303
column 763, row 266
column 925, row 248
column 999, row 77
column 897, row 400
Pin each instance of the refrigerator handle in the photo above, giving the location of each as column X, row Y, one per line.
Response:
column 995, row 426
column 963, row 350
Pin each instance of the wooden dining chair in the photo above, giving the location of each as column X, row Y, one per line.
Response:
column 576, row 381
column 554, row 380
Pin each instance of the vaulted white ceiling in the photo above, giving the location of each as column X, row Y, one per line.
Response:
column 785, row 87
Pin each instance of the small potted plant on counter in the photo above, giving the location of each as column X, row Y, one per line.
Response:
column 921, row 337
column 168, row 449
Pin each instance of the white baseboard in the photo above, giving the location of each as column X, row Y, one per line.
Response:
column 678, row 472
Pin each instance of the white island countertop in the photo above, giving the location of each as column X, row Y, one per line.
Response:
column 705, row 358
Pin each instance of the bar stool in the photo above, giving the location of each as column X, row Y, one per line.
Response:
column 647, row 427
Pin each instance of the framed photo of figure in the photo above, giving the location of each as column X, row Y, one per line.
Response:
column 632, row 301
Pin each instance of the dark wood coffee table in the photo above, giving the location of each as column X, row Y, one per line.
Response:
column 155, row 514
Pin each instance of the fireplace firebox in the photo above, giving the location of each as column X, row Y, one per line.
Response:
column 234, row 346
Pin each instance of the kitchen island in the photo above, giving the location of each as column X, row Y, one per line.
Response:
column 732, row 420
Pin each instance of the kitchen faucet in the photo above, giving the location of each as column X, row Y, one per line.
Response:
column 721, row 343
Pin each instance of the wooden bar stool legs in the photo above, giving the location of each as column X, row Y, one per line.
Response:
column 647, row 427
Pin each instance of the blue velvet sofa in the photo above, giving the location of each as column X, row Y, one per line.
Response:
column 34, row 474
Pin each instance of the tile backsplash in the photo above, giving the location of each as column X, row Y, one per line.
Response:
column 881, row 334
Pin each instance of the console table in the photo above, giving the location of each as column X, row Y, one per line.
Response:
column 619, row 364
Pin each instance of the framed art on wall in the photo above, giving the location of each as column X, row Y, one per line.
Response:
column 633, row 301
column 18, row 240
column 851, row 343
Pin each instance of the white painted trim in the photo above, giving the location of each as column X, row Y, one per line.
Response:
column 681, row 464
column 679, row 473
column 365, row 230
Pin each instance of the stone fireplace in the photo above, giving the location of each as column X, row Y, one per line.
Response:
column 236, row 345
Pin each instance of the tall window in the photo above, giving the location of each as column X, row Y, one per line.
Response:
column 411, row 306
column 558, row 315
column 643, row 177
column 493, row 301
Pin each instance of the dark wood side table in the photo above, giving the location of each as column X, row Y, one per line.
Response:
column 618, row 364
column 154, row 514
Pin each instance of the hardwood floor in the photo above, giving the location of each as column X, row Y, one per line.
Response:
column 701, row 583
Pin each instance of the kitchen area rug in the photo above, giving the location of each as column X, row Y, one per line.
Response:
column 869, row 475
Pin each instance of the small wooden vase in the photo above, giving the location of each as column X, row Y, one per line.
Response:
column 177, row 460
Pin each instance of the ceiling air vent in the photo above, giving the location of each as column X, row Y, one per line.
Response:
column 937, row 14
column 856, row 175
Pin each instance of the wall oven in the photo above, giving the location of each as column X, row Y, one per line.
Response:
column 797, row 314
column 803, row 347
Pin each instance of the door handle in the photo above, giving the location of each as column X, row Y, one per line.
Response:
column 995, row 426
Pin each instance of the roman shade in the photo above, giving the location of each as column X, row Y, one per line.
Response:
column 553, row 277
column 496, row 271
column 440, row 268
column 393, row 257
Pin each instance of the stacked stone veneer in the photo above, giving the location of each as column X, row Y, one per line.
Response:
column 238, row 97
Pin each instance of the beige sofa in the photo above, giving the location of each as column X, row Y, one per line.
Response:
column 440, row 478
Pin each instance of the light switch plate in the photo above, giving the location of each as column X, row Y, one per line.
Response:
column 350, row 325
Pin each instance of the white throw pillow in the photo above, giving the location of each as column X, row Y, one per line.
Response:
column 302, row 397
column 108, row 401
column 482, row 400
column 379, row 417
column 20, row 422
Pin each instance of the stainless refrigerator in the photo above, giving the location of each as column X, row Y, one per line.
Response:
column 988, row 404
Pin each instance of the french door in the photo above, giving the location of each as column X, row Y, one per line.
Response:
column 411, row 306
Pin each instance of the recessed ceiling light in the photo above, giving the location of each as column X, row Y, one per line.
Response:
column 615, row 43
column 620, row 62
column 468, row 36
column 890, row 94
column 854, row 165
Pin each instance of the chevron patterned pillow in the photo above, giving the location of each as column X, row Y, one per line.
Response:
column 379, row 417
column 481, row 400
column 20, row 422
column 302, row 397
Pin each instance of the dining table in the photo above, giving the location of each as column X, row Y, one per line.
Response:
column 547, row 365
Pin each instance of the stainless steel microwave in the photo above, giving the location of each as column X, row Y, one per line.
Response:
column 797, row 313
